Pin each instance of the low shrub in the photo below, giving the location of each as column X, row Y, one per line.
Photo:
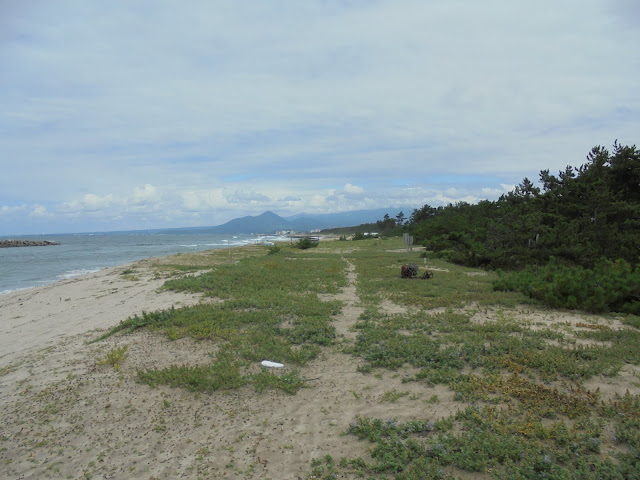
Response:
column 114, row 358
column 305, row 243
column 609, row 286
column 273, row 249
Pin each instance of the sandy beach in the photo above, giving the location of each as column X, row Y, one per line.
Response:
column 37, row 318
column 65, row 416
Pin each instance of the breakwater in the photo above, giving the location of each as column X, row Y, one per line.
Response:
column 26, row 243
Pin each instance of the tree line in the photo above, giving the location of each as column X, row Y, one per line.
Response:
column 572, row 242
column 580, row 216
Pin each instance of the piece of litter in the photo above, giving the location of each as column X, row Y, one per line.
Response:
column 267, row 363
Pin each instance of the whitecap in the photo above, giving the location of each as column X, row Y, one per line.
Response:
column 77, row 273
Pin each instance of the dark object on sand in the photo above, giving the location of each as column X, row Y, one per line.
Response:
column 411, row 270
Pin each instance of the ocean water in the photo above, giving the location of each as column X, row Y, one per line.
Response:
column 80, row 254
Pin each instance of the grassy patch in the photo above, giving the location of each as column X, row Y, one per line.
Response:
column 524, row 412
column 271, row 311
column 379, row 277
column 114, row 358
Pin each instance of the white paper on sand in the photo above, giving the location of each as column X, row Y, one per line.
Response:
column 269, row 364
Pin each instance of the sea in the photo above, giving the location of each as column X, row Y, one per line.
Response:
column 81, row 254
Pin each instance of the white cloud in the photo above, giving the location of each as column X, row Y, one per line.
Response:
column 144, row 195
column 293, row 100
column 7, row 210
column 90, row 202
column 38, row 211
column 243, row 197
column 204, row 200
column 353, row 189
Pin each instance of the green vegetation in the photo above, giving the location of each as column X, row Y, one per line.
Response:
column 451, row 286
column 583, row 217
column 609, row 286
column 272, row 250
column 271, row 311
column 114, row 358
column 531, row 416
column 525, row 407
column 305, row 243
column 503, row 442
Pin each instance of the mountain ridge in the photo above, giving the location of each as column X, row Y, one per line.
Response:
column 269, row 222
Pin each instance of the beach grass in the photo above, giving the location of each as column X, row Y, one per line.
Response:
column 271, row 311
column 527, row 406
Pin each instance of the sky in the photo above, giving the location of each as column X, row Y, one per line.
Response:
column 126, row 115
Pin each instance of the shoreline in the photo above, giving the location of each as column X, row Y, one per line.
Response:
column 39, row 317
column 44, row 267
column 51, row 282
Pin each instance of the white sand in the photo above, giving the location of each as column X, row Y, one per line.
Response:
column 39, row 317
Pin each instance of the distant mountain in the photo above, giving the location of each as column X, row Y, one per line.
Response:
column 269, row 222
column 347, row 219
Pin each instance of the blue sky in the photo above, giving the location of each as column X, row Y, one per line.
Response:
column 148, row 114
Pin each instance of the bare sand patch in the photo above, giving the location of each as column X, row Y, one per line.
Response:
column 390, row 308
column 39, row 317
column 351, row 310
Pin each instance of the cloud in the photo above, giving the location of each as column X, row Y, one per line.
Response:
column 89, row 203
column 9, row 210
column 38, row 211
column 211, row 111
column 353, row 189
column 144, row 195
column 243, row 197
column 204, row 200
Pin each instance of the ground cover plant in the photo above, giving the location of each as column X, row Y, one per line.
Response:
column 530, row 415
column 526, row 407
column 271, row 310
column 378, row 267
column 609, row 286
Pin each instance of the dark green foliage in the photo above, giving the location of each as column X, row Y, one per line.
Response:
column 359, row 236
column 272, row 250
column 508, row 443
column 305, row 243
column 609, row 286
column 581, row 215
column 271, row 311
column 223, row 374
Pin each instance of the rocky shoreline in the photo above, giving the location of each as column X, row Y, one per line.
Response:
column 26, row 243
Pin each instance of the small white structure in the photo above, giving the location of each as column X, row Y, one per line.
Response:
column 270, row 364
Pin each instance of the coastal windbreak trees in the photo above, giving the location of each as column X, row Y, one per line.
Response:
column 581, row 217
